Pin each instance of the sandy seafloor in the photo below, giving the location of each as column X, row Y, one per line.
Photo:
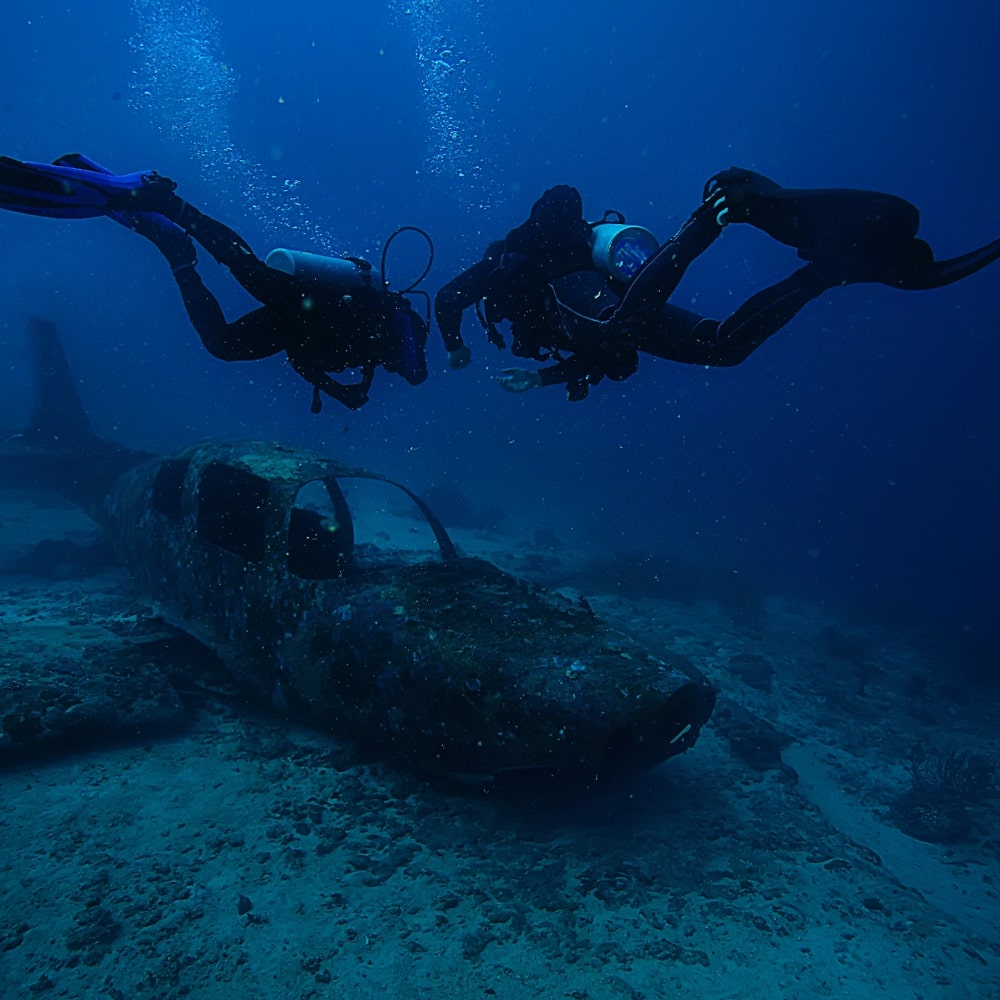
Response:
column 729, row 872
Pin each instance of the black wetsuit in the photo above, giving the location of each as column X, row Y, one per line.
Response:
column 561, row 307
column 513, row 277
column 320, row 331
column 322, row 328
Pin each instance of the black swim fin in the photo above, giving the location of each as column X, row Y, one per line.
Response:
column 821, row 223
column 946, row 272
column 64, row 191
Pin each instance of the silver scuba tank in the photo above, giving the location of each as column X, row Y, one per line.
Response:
column 619, row 250
column 334, row 275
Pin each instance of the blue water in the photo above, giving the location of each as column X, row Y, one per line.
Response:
column 852, row 460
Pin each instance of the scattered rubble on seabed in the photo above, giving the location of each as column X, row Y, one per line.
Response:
column 229, row 853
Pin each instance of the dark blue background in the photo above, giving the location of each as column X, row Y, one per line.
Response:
column 853, row 459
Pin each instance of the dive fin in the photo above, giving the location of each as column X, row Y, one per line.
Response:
column 946, row 272
column 65, row 191
column 81, row 162
column 818, row 222
column 157, row 228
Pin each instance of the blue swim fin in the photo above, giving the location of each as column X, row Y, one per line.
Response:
column 153, row 225
column 63, row 190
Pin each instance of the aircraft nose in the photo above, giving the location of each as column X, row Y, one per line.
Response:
column 650, row 739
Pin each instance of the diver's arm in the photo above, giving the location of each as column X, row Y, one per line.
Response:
column 461, row 292
column 571, row 369
column 659, row 277
column 572, row 372
column 352, row 396
column 615, row 359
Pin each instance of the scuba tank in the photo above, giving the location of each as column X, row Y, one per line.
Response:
column 334, row 274
column 400, row 331
column 619, row 250
column 344, row 275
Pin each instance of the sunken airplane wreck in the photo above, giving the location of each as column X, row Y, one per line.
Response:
column 446, row 665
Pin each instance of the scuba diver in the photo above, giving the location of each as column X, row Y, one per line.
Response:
column 590, row 296
column 328, row 314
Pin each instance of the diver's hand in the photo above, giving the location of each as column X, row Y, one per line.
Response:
column 721, row 203
column 731, row 194
column 460, row 357
column 519, row 380
column 721, row 209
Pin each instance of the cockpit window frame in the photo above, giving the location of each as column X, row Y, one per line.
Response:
column 232, row 510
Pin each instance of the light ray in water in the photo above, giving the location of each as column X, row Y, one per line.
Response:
column 184, row 87
column 453, row 63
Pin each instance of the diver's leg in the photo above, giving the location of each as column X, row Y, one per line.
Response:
column 165, row 219
column 255, row 335
column 264, row 283
column 204, row 311
column 671, row 336
column 153, row 204
column 684, row 336
column 169, row 239
column 247, row 339
column 734, row 339
column 223, row 243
